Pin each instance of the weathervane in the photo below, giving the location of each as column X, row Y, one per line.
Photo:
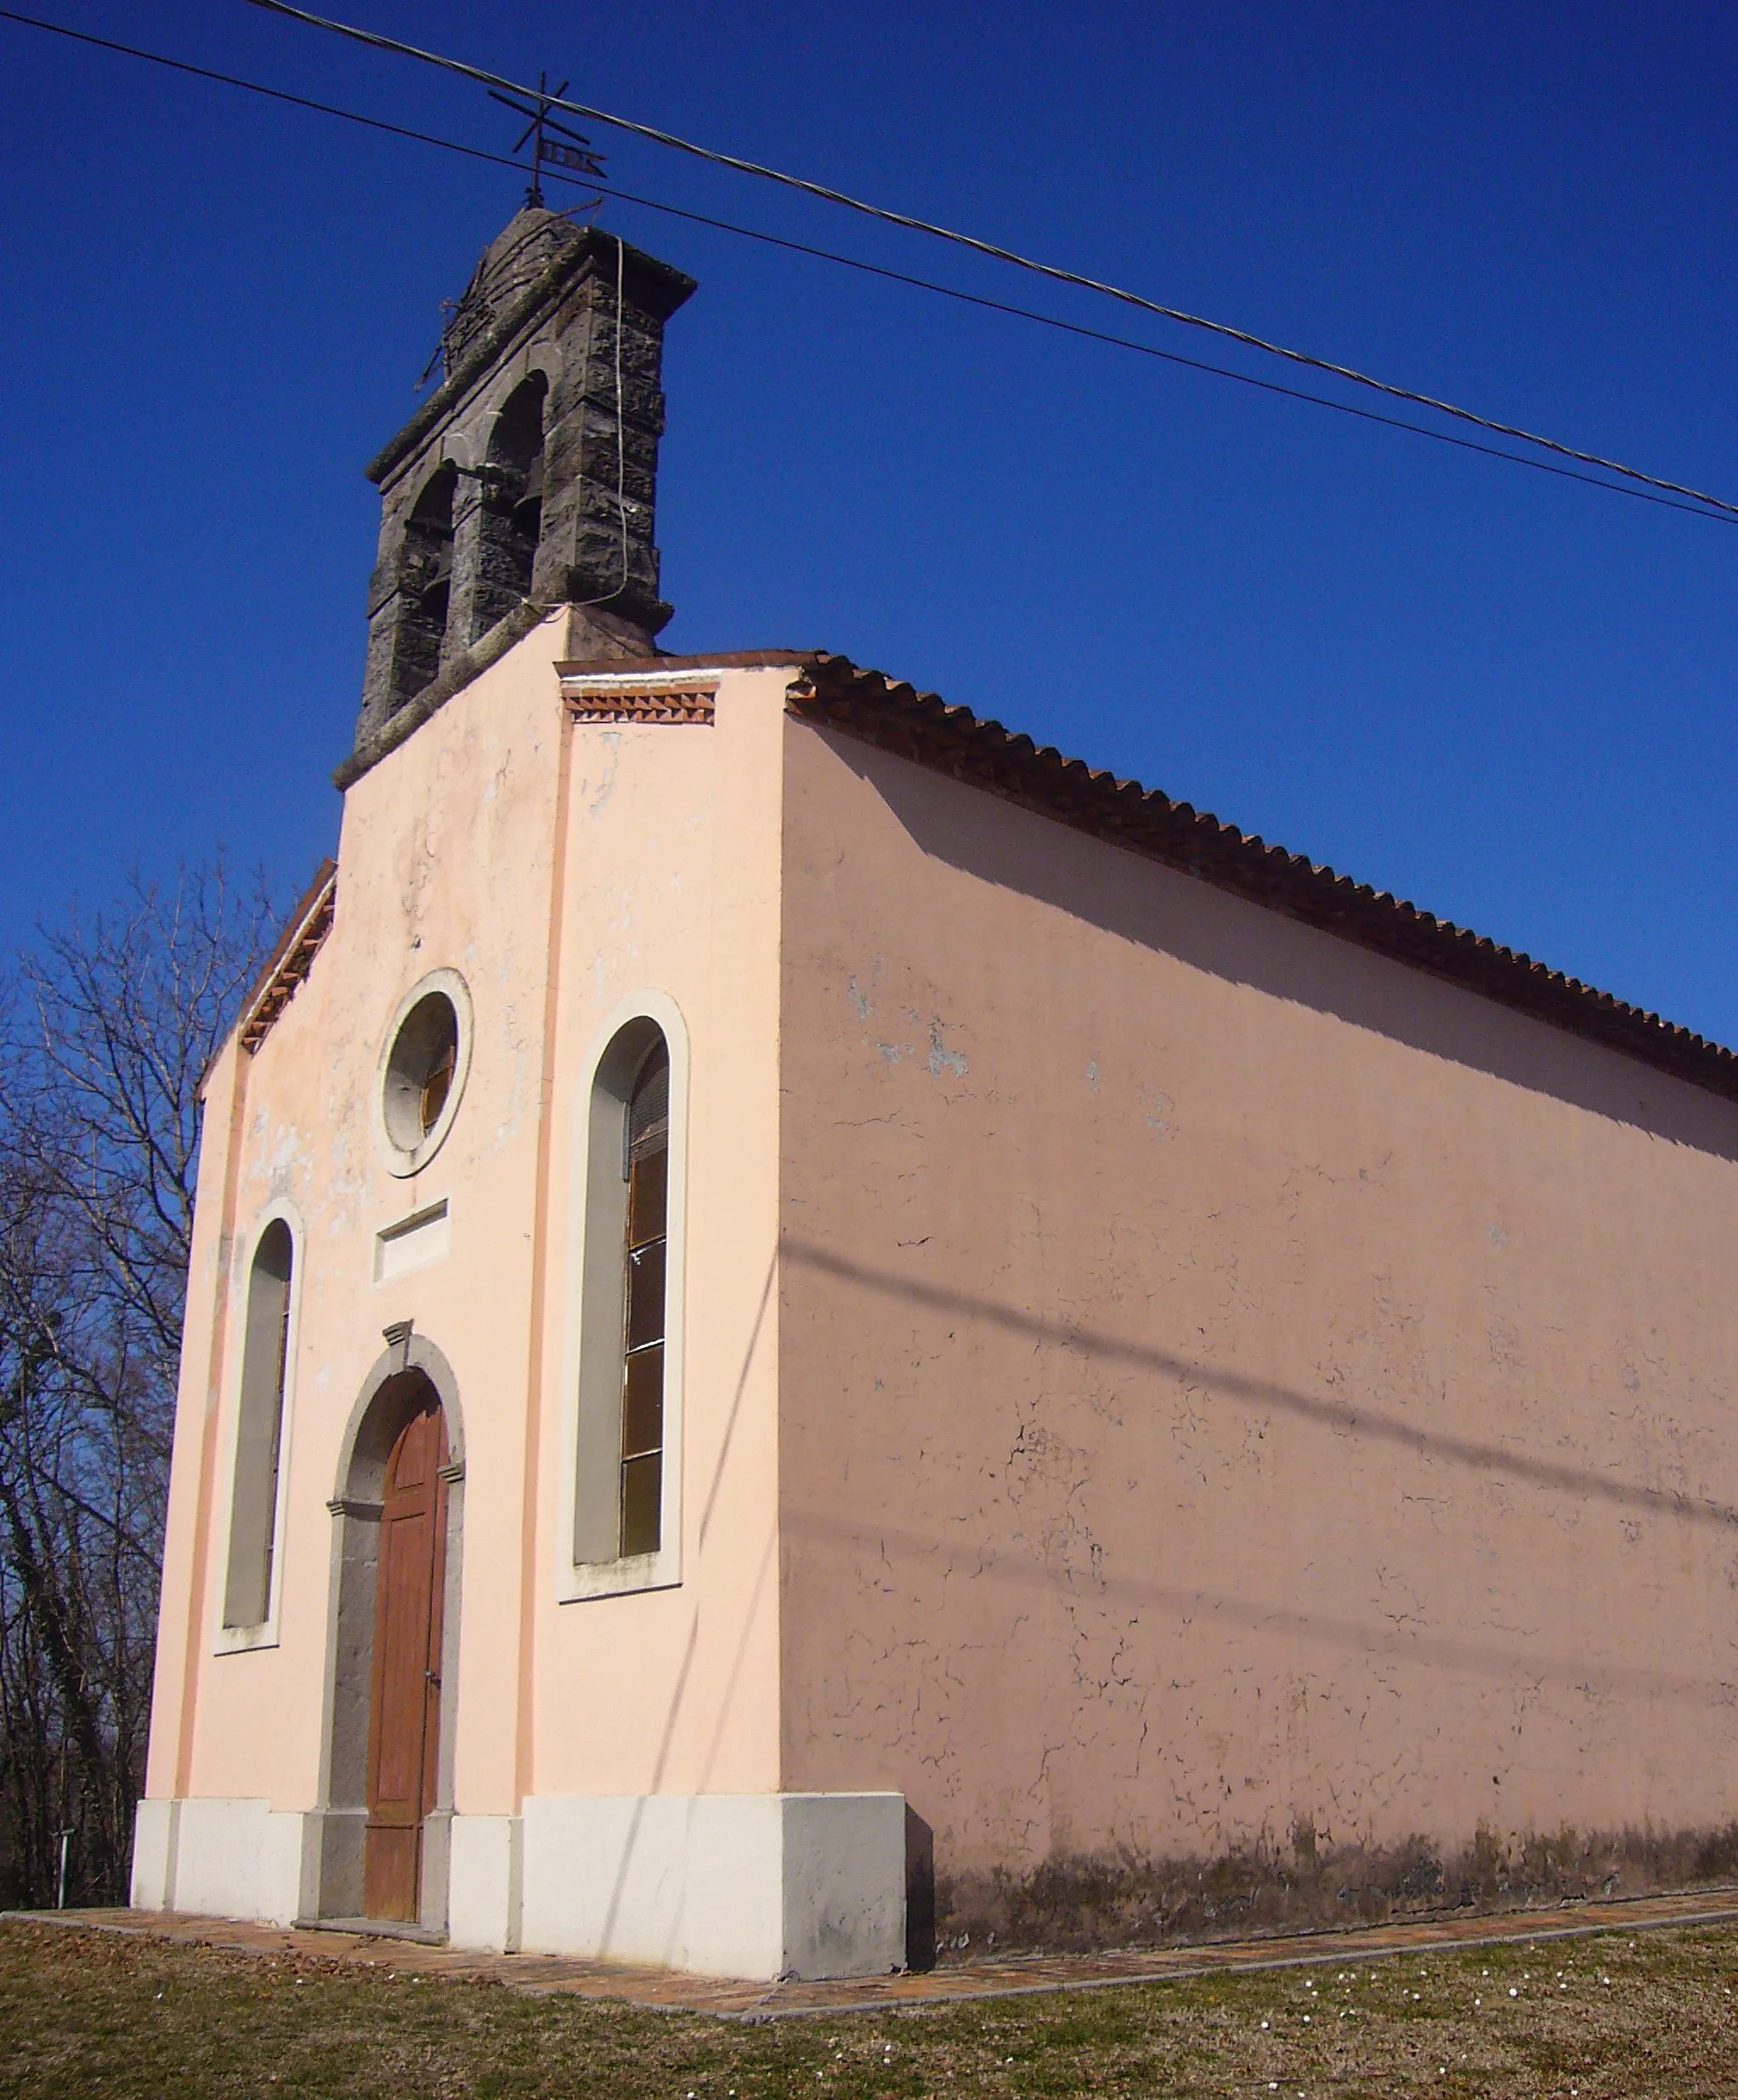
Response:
column 571, row 150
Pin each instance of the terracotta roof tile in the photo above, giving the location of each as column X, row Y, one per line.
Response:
column 304, row 934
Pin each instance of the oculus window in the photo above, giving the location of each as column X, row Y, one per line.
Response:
column 423, row 1071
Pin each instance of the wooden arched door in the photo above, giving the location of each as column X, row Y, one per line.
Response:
column 404, row 1713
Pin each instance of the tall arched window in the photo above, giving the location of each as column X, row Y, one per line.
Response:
column 511, row 519
column 260, row 1430
column 645, row 1170
column 425, row 586
column 628, row 1402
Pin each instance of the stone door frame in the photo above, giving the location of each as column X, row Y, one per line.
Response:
column 408, row 1364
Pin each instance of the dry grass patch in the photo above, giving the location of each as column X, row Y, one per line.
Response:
column 89, row 2014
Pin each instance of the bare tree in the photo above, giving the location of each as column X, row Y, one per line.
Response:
column 108, row 1028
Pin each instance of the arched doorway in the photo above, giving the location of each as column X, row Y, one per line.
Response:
column 404, row 1704
column 386, row 1792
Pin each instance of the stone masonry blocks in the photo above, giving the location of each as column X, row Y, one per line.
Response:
column 468, row 536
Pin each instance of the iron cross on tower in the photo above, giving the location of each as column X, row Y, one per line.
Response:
column 572, row 150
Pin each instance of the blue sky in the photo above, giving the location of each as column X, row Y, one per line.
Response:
column 1505, row 697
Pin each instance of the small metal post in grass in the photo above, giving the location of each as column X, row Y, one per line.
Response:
column 60, row 1888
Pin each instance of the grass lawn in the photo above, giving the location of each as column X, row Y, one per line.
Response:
column 84, row 2014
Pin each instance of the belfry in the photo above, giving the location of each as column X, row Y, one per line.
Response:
column 529, row 480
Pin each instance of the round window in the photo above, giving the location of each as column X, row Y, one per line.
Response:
column 423, row 1070
column 419, row 1071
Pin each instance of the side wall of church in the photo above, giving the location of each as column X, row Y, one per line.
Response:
column 1237, row 1391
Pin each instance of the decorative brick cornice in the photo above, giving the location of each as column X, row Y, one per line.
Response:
column 667, row 697
column 693, row 705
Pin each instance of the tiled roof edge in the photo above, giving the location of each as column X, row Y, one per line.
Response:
column 982, row 754
column 304, row 934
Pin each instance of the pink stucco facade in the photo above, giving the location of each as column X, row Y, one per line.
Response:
column 1230, row 1381
column 1149, row 1374
column 563, row 870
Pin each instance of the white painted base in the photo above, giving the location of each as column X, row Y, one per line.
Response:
column 484, row 1893
column 221, row 1858
column 154, row 1828
column 752, row 1885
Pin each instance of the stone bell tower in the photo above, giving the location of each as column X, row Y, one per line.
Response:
column 528, row 481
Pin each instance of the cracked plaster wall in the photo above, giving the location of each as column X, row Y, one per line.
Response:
column 1230, row 1383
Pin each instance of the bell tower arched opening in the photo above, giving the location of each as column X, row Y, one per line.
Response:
column 425, row 586
column 512, row 520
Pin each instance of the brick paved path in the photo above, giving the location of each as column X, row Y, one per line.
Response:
column 1006, row 1976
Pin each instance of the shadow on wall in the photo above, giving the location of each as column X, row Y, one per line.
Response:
column 1344, row 1418
column 1156, row 907
column 920, row 1943
column 653, row 1783
column 1127, row 1899
column 832, row 1530
column 1370, row 1640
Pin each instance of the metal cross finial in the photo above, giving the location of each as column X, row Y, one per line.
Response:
column 557, row 152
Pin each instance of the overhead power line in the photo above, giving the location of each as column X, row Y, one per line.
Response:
column 1717, row 516
column 1057, row 276
column 259, row 87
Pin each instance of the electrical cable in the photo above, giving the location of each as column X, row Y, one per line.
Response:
column 487, row 79
column 1719, row 514
column 254, row 87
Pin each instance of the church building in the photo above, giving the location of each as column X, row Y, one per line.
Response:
column 797, row 1301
